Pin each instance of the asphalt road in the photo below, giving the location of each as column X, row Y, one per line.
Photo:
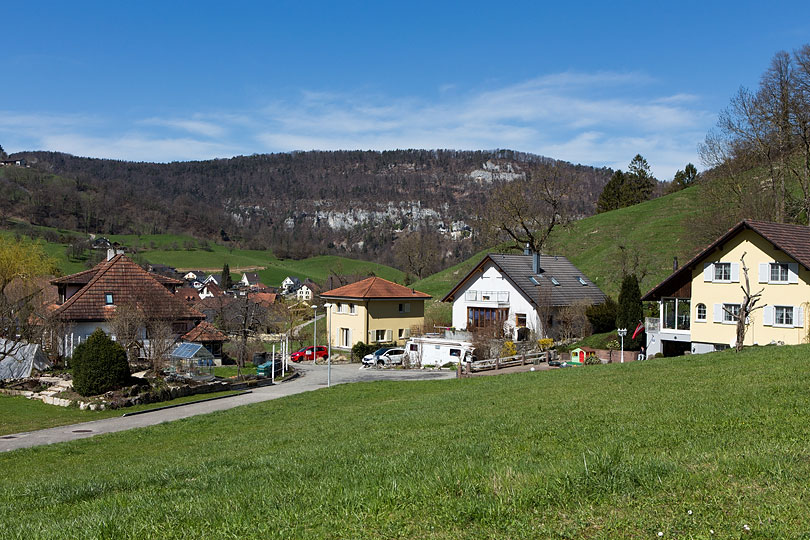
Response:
column 313, row 377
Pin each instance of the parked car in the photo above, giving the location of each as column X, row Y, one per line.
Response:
column 305, row 353
column 385, row 356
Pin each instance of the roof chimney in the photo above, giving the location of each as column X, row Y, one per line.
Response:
column 526, row 250
column 110, row 253
column 674, row 264
column 535, row 263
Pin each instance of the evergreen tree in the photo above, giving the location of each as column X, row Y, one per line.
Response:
column 684, row 178
column 3, row 154
column 639, row 184
column 99, row 365
column 227, row 282
column 631, row 311
column 610, row 198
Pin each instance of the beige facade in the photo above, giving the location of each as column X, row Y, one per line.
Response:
column 788, row 294
column 374, row 321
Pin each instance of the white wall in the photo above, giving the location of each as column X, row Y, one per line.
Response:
column 492, row 280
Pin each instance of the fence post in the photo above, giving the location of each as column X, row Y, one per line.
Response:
column 497, row 363
column 523, row 359
column 469, row 367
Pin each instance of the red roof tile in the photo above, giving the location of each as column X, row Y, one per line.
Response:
column 374, row 288
column 128, row 283
column 205, row 332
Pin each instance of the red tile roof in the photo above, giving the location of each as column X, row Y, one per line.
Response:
column 128, row 283
column 205, row 332
column 264, row 299
column 375, row 288
column 189, row 294
column 82, row 278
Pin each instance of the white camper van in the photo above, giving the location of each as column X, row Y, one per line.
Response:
column 436, row 351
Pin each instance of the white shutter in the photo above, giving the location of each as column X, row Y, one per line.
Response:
column 718, row 313
column 764, row 272
column 389, row 335
column 708, row 271
column 767, row 315
column 798, row 316
column 735, row 272
column 793, row 272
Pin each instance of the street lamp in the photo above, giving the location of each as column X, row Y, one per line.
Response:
column 328, row 307
column 315, row 335
column 622, row 333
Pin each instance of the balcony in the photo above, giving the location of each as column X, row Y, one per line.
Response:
column 487, row 298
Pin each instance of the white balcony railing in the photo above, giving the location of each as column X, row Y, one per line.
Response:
column 493, row 297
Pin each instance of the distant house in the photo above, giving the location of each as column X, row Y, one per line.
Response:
column 698, row 303
column 290, row 285
column 512, row 292
column 374, row 310
column 189, row 294
column 163, row 270
column 89, row 299
column 19, row 162
column 250, row 279
column 307, row 291
column 265, row 299
column 214, row 278
column 210, row 290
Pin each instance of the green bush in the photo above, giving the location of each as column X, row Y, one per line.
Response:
column 360, row 349
column 99, row 365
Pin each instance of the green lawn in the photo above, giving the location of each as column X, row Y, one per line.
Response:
column 23, row 414
column 682, row 446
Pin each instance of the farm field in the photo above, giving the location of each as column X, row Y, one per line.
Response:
column 710, row 446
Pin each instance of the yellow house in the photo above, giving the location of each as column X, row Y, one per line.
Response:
column 374, row 310
column 699, row 301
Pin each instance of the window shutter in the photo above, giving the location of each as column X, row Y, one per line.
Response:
column 798, row 316
column 389, row 335
column 735, row 272
column 764, row 272
column 767, row 315
column 718, row 313
column 793, row 272
column 708, row 270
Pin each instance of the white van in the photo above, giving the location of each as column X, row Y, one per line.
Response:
column 437, row 352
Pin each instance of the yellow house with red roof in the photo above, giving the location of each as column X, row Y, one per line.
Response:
column 374, row 310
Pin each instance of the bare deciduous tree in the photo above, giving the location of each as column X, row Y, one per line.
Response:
column 747, row 306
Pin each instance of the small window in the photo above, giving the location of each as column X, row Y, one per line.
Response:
column 731, row 312
column 534, row 280
column 352, row 308
column 520, row 320
column 700, row 313
column 779, row 272
column 582, row 280
column 404, row 333
column 554, row 281
column 108, row 298
column 406, row 308
column 414, row 347
column 379, row 335
column 783, row 315
column 722, row 271
column 455, row 352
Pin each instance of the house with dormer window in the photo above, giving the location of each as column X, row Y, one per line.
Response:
column 516, row 292
column 700, row 302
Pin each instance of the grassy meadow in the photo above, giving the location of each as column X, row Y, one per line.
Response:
column 689, row 447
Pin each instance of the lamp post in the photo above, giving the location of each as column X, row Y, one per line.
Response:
column 622, row 333
column 315, row 334
column 328, row 308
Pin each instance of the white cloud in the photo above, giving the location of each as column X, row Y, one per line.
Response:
column 601, row 118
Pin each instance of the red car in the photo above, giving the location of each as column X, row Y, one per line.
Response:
column 305, row 353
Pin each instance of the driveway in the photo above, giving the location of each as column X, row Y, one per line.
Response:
column 313, row 377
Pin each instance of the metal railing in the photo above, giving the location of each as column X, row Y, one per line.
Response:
column 500, row 297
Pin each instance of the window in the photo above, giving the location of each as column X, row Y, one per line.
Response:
column 520, row 320
column 722, row 271
column 582, row 280
column 700, row 313
column 339, row 307
column 345, row 337
column 554, row 281
column 406, row 308
column 414, row 347
column 779, row 272
column 455, row 352
column 534, row 280
column 783, row 315
column 731, row 312
column 108, row 298
column 380, row 335
column 478, row 317
column 404, row 333
column 352, row 309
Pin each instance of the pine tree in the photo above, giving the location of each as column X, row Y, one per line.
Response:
column 610, row 198
column 631, row 311
column 227, row 282
column 639, row 184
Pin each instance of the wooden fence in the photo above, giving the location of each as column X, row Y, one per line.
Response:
column 508, row 361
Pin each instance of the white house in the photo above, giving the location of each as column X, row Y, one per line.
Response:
column 519, row 291
column 290, row 284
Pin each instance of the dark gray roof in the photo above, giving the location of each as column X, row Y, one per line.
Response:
column 557, row 283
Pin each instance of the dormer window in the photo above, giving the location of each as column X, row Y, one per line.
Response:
column 108, row 299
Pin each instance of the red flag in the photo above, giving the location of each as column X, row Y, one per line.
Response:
column 639, row 328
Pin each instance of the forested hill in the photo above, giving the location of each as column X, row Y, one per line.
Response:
column 298, row 204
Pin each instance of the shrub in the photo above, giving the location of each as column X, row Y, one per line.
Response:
column 360, row 349
column 592, row 360
column 603, row 316
column 99, row 365
column 508, row 349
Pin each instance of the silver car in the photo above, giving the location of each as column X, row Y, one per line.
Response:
column 385, row 357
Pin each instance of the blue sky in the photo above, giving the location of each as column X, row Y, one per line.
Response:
column 588, row 82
